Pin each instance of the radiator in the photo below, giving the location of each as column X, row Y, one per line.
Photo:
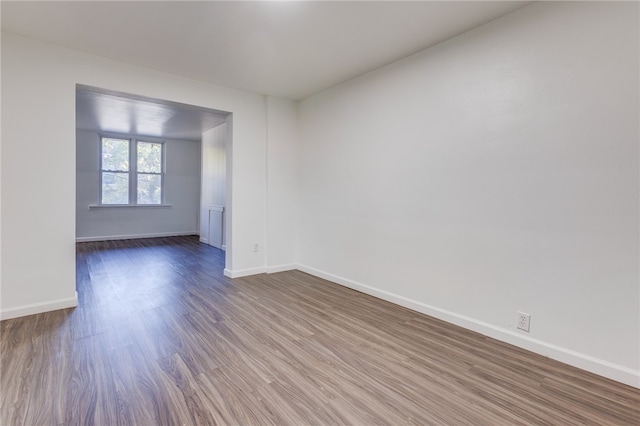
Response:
column 216, row 225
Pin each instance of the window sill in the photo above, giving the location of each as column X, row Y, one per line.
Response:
column 126, row 206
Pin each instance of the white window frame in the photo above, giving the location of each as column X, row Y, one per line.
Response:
column 133, row 170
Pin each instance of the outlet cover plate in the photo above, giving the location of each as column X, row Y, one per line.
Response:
column 524, row 321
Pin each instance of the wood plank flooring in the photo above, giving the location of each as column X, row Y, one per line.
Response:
column 161, row 337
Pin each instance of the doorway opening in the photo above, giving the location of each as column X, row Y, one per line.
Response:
column 191, row 185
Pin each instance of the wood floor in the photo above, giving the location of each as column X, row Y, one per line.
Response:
column 161, row 337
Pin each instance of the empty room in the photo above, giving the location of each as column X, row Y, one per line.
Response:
column 327, row 213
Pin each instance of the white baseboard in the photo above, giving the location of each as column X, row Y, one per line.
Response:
column 38, row 308
column 205, row 241
column 134, row 236
column 261, row 270
column 243, row 272
column 281, row 268
column 585, row 362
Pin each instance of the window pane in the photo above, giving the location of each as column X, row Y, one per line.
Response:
column 149, row 189
column 149, row 157
column 115, row 154
column 115, row 188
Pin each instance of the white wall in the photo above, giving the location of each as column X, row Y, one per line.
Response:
column 214, row 177
column 496, row 172
column 38, row 164
column 181, row 191
column 282, row 155
column 1, row 185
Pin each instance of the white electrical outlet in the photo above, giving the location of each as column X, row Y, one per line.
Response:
column 255, row 248
column 524, row 321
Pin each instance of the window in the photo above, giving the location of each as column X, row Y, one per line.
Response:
column 149, row 172
column 131, row 172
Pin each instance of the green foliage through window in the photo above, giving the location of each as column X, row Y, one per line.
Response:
column 115, row 188
column 149, row 157
column 115, row 154
column 149, row 189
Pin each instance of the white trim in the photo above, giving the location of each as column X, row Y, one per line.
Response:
column 122, row 206
column 134, row 236
column 281, row 268
column 583, row 361
column 38, row 308
column 243, row 272
column 264, row 246
column 223, row 247
column 204, row 240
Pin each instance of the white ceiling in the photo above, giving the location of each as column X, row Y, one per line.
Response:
column 288, row 49
column 106, row 111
